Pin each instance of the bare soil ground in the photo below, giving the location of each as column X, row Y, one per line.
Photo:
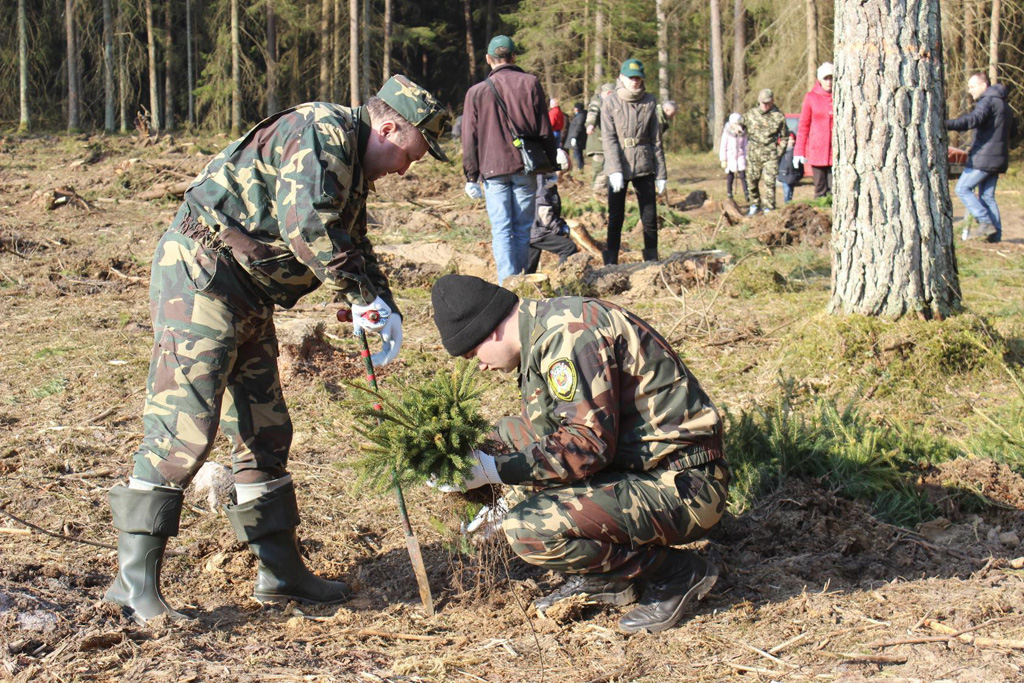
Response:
column 812, row 587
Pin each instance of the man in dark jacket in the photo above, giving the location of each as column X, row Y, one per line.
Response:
column 488, row 154
column 576, row 137
column 550, row 232
column 993, row 123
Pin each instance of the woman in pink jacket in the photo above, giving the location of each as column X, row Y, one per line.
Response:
column 732, row 151
column 814, row 134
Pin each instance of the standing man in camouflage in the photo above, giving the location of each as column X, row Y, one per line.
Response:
column 766, row 130
column 278, row 213
column 595, row 148
column 617, row 456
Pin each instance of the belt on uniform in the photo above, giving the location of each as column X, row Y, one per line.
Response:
column 635, row 142
column 203, row 234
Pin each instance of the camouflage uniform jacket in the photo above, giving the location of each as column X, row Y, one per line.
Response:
column 288, row 201
column 603, row 391
column 594, row 119
column 764, row 130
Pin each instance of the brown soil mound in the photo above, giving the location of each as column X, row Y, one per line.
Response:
column 793, row 224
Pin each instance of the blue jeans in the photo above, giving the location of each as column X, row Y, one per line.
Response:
column 983, row 204
column 787, row 193
column 511, row 206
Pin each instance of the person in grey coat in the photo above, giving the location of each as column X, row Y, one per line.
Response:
column 631, row 137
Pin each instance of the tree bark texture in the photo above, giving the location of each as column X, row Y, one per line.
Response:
column 386, row 57
column 353, row 53
column 108, row 68
column 190, row 74
column 586, row 49
column 272, row 102
column 168, row 67
column 23, row 67
column 337, row 93
column 717, row 75
column 663, row 49
column 993, row 42
column 364, row 76
column 739, row 54
column 324, row 91
column 467, row 12
column 122, row 67
column 154, row 84
column 892, row 236
column 74, row 105
column 598, row 46
column 236, row 73
column 811, row 12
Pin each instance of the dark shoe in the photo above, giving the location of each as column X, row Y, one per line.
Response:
column 681, row 577
column 610, row 258
column 268, row 524
column 596, row 587
column 650, row 254
column 145, row 520
column 982, row 231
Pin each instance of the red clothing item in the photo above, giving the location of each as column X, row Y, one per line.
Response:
column 814, row 133
column 557, row 119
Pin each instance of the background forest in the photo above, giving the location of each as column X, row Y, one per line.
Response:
column 223, row 64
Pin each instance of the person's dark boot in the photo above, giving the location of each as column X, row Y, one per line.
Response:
column 650, row 254
column 144, row 520
column 610, row 258
column 597, row 587
column 674, row 579
column 268, row 524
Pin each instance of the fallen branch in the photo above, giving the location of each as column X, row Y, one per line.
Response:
column 755, row 669
column 41, row 530
column 971, row 639
column 868, row 659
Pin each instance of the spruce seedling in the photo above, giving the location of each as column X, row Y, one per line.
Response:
column 426, row 431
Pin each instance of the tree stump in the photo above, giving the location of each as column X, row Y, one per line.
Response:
column 301, row 343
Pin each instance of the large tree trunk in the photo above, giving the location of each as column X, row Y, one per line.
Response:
column 190, row 74
column 272, row 103
column 717, row 76
column 236, row 73
column 122, row 67
column 739, row 54
column 168, row 67
column 337, row 93
column 365, row 74
column 74, row 106
column 993, row 42
column 23, row 67
column 811, row 11
column 467, row 12
column 598, row 46
column 154, row 84
column 324, row 91
column 353, row 53
column 108, row 68
column 892, row 239
column 386, row 58
column 659, row 9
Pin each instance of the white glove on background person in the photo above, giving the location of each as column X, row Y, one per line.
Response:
column 615, row 181
column 562, row 159
column 474, row 191
column 572, row 142
column 484, row 472
column 361, row 323
column 799, row 160
column 391, row 341
column 659, row 186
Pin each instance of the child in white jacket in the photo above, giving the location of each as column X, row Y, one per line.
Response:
column 733, row 153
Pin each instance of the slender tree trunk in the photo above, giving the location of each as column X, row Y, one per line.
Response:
column 892, row 236
column 489, row 32
column 663, row 50
column 236, row 73
column 24, row 123
column 324, row 91
column 122, row 67
column 168, row 66
column 365, row 75
column 386, row 59
column 993, row 42
column 717, row 76
column 970, row 44
column 586, row 49
column 74, row 121
column 811, row 11
column 190, row 73
column 598, row 45
column 337, row 93
column 739, row 55
column 353, row 53
column 272, row 104
column 467, row 12
column 154, row 84
column 108, row 68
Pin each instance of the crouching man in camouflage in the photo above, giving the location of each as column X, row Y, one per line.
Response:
column 618, row 452
column 279, row 212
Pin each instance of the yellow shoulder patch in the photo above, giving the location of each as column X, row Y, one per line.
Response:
column 562, row 379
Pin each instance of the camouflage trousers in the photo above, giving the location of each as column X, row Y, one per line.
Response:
column 762, row 164
column 214, row 364
column 615, row 522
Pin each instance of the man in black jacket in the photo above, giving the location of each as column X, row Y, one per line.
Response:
column 989, row 156
column 576, row 138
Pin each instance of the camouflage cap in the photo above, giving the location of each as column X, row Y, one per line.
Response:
column 420, row 108
column 765, row 95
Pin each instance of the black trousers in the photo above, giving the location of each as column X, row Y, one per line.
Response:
column 559, row 244
column 647, row 199
column 730, row 176
column 822, row 180
column 577, row 157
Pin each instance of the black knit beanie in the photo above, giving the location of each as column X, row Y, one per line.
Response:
column 467, row 309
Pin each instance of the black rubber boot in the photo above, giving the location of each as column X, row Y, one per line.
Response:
column 268, row 524
column 610, row 258
column 674, row 579
column 596, row 587
column 650, row 254
column 145, row 520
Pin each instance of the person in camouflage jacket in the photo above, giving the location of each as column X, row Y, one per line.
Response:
column 766, row 132
column 616, row 457
column 280, row 212
column 594, row 147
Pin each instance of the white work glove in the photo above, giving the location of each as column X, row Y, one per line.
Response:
column 482, row 473
column 615, row 181
column 391, row 341
column 572, row 143
column 486, row 522
column 360, row 320
column 799, row 160
column 474, row 191
column 659, row 186
column 561, row 158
